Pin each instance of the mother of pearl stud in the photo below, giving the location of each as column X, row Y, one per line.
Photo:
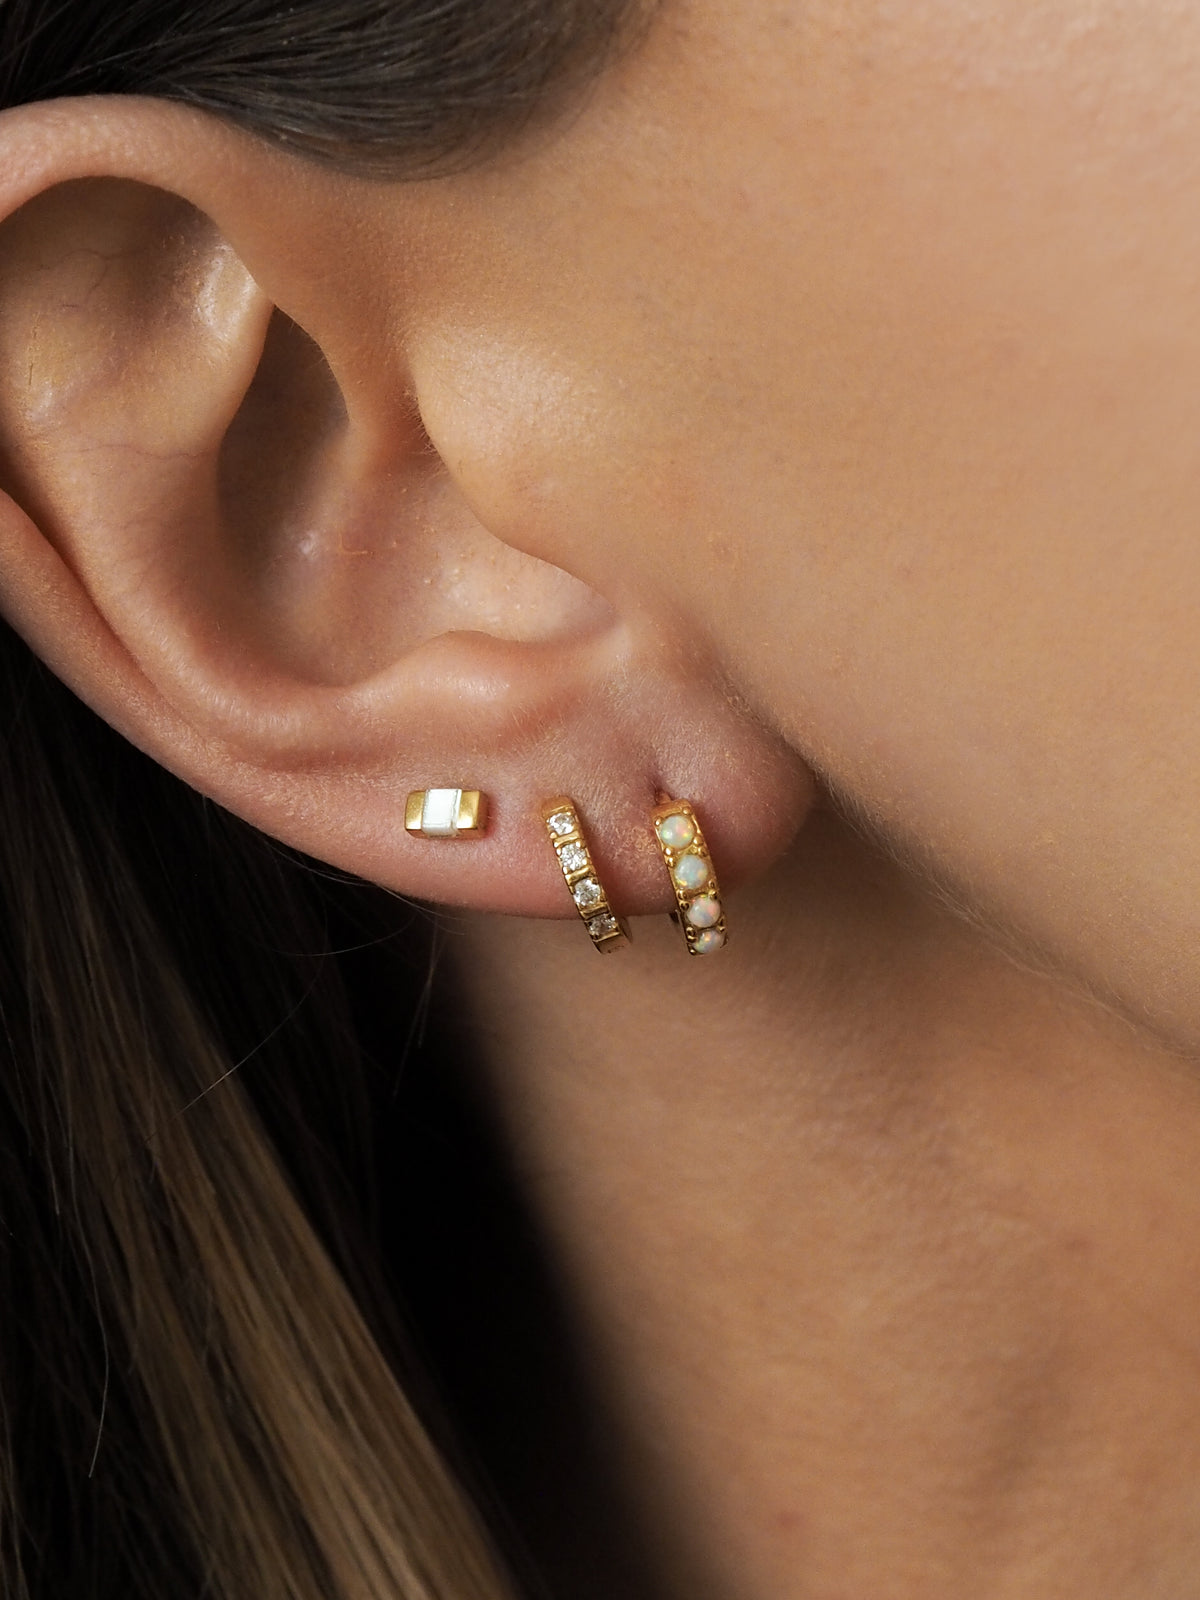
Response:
column 446, row 813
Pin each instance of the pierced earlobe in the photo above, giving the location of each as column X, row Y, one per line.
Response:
column 606, row 930
column 693, row 878
column 446, row 813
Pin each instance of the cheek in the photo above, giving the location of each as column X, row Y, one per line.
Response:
column 985, row 387
column 999, row 478
column 872, row 346
column 915, row 394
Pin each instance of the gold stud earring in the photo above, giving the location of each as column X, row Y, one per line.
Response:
column 606, row 930
column 693, row 878
column 446, row 813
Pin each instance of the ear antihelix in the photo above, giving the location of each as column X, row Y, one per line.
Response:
column 129, row 324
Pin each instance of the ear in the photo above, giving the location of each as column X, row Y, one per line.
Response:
column 227, row 528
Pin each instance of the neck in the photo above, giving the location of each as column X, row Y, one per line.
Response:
column 885, row 1249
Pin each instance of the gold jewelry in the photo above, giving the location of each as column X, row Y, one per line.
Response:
column 697, row 895
column 607, row 930
column 446, row 813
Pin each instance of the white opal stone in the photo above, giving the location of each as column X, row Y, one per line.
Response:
column 676, row 831
column 704, row 911
column 562, row 822
column 439, row 814
column 691, row 872
column 709, row 940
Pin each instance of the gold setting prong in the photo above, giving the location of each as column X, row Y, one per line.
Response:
column 472, row 811
column 606, row 930
column 446, row 813
column 698, row 909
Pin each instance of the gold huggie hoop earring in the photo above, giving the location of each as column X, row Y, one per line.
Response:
column 446, row 813
column 697, row 895
column 606, row 929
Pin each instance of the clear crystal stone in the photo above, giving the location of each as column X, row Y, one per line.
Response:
column 587, row 893
column 600, row 927
column 561, row 823
column 573, row 856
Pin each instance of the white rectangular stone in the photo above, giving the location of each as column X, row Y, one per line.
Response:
column 439, row 815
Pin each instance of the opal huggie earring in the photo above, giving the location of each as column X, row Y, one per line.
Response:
column 693, row 878
column 606, row 930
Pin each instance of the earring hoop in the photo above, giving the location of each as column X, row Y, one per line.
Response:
column 698, row 908
column 606, row 930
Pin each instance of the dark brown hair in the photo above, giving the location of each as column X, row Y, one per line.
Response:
column 376, row 84
column 202, row 1386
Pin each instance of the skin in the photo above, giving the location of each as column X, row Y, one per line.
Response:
column 804, row 424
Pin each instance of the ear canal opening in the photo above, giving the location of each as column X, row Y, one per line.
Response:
column 288, row 428
column 352, row 543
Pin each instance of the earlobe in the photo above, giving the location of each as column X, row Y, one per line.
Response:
column 237, row 542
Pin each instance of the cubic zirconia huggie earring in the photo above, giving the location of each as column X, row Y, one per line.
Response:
column 606, row 929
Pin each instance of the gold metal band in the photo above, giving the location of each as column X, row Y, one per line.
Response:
column 606, row 929
column 697, row 895
column 446, row 813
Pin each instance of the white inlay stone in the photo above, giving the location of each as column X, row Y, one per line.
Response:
column 573, row 856
column 600, row 927
column 439, row 814
column 691, row 872
column 587, row 893
column 704, row 911
column 676, row 831
column 561, row 823
column 709, row 940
